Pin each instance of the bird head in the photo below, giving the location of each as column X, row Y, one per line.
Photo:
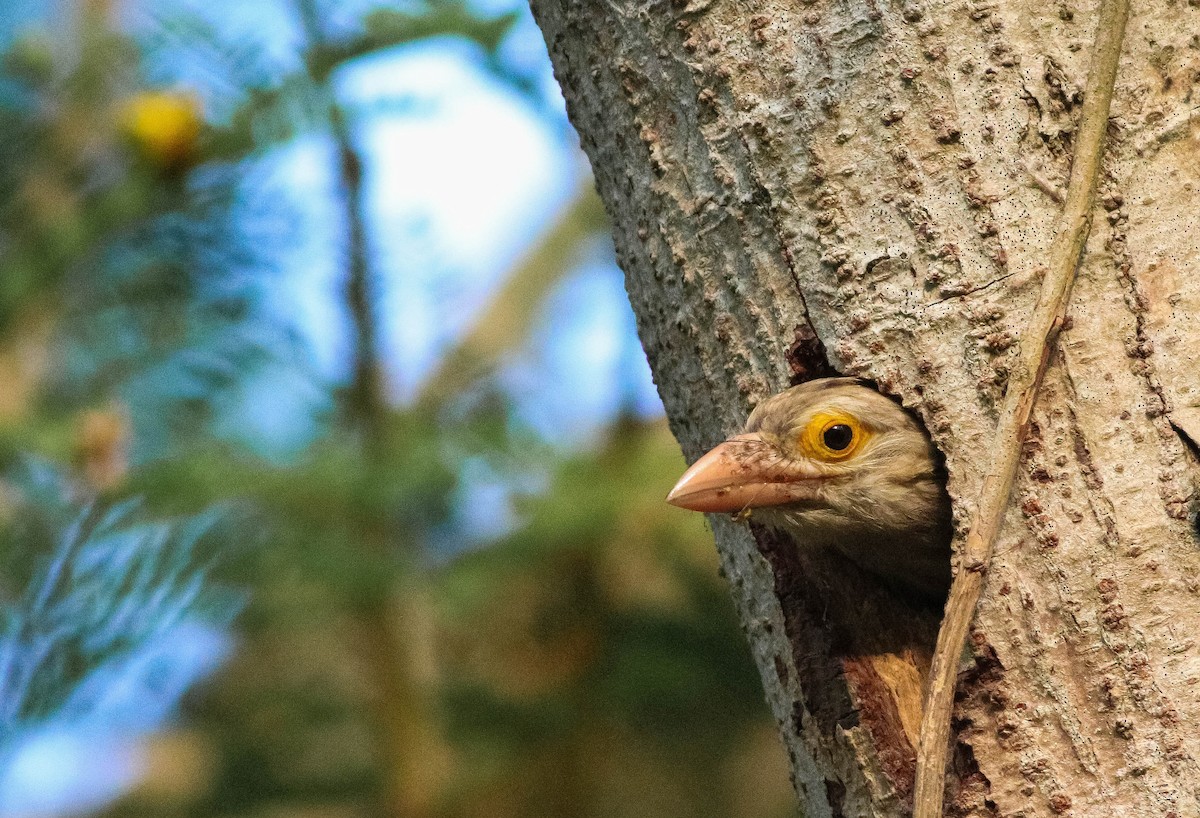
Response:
column 833, row 462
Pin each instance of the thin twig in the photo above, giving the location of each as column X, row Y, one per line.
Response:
column 1024, row 380
column 408, row 734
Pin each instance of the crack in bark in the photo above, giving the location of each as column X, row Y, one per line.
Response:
column 972, row 291
column 772, row 217
column 1142, row 351
column 1191, row 445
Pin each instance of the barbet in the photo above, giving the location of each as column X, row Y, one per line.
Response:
column 836, row 465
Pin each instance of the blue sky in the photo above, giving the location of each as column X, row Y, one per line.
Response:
column 463, row 173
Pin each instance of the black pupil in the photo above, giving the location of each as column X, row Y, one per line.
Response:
column 838, row 436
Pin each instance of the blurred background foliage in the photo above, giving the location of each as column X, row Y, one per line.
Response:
column 332, row 474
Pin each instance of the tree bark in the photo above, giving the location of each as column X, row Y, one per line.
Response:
column 872, row 189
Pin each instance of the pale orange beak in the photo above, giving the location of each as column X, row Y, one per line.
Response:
column 743, row 472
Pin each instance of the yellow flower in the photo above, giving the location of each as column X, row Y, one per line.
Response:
column 165, row 126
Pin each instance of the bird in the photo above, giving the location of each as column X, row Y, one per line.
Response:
column 836, row 465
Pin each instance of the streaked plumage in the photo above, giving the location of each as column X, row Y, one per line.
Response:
column 836, row 465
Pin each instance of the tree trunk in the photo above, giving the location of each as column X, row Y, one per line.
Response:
column 849, row 186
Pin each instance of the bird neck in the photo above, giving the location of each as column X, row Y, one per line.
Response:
column 910, row 552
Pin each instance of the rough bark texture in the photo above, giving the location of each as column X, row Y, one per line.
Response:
column 872, row 188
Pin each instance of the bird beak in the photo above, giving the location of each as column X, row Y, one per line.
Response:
column 741, row 473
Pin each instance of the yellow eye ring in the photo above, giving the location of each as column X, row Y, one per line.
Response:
column 832, row 436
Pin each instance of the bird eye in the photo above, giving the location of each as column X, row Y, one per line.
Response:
column 838, row 436
column 832, row 435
